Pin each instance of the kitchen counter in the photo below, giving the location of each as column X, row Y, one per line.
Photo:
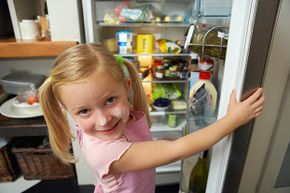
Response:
column 11, row 127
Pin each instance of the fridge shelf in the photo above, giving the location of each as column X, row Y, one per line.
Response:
column 156, row 55
column 185, row 25
column 162, row 113
column 207, row 45
column 151, row 79
column 161, row 127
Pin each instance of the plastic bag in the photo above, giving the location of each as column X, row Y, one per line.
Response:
column 29, row 96
column 168, row 91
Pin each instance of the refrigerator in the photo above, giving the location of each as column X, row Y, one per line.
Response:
column 255, row 34
column 251, row 25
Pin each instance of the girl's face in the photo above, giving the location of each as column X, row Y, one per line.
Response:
column 99, row 104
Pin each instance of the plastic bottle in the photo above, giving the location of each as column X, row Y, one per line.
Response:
column 199, row 174
column 197, row 96
column 193, row 68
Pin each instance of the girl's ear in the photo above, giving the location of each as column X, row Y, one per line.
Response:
column 128, row 84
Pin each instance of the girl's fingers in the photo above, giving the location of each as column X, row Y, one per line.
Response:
column 258, row 110
column 259, row 102
column 254, row 97
column 257, row 114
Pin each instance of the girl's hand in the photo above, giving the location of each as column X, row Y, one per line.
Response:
column 241, row 112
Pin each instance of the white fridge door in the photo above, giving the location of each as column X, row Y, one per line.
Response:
column 240, row 33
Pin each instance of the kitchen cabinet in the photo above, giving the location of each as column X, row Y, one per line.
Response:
column 19, row 52
column 30, row 49
column 62, row 25
column 62, row 34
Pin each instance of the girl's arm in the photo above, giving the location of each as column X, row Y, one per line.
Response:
column 150, row 154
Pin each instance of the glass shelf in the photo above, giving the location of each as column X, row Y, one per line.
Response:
column 163, row 127
column 102, row 24
column 156, row 55
column 161, row 113
column 207, row 45
column 151, row 79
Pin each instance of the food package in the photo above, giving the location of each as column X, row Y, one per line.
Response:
column 169, row 91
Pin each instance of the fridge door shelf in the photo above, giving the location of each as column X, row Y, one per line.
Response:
column 196, row 123
column 173, row 167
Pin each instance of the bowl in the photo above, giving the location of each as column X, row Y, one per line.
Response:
column 160, row 108
column 161, row 104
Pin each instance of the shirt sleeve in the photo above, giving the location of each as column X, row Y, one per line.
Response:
column 101, row 154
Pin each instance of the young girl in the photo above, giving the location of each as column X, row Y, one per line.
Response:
column 105, row 97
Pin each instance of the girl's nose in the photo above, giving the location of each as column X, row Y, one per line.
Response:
column 102, row 118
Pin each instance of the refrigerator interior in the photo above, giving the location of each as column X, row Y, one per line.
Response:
column 98, row 28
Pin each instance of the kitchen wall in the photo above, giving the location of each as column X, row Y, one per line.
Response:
column 33, row 65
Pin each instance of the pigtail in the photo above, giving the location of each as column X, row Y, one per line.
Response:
column 139, row 97
column 57, row 123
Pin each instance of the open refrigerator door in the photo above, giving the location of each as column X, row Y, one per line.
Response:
column 208, row 44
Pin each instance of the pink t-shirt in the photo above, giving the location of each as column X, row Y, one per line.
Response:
column 100, row 154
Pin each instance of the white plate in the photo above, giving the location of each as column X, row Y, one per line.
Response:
column 6, row 110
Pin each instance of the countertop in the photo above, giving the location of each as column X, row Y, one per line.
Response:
column 12, row 127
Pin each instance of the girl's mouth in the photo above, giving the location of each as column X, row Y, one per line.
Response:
column 111, row 129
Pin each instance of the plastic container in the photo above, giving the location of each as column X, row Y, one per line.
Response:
column 172, row 120
column 145, row 43
column 20, row 81
column 125, row 40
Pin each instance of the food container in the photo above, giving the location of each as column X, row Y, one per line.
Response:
column 21, row 81
column 145, row 43
column 161, row 104
column 172, row 120
column 125, row 40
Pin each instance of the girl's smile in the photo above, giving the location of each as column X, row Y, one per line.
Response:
column 100, row 109
column 108, row 129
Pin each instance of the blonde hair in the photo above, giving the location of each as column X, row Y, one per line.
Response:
column 72, row 65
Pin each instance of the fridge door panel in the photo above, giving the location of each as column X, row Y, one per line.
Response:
column 250, row 35
column 241, row 26
column 270, row 136
column 254, row 77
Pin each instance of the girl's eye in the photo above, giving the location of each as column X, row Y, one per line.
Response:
column 111, row 100
column 84, row 112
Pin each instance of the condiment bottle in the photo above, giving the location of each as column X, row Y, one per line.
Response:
column 206, row 64
column 204, row 79
column 159, row 69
